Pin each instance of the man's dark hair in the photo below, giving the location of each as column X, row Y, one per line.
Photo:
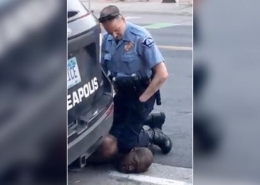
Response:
column 109, row 13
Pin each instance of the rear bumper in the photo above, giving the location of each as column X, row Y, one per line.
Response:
column 88, row 141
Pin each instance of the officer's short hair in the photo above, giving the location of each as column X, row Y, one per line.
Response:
column 109, row 13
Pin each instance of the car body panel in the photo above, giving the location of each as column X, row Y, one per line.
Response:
column 90, row 94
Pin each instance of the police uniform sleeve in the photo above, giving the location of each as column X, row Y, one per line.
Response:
column 150, row 52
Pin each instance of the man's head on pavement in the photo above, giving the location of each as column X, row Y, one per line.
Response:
column 112, row 21
column 136, row 161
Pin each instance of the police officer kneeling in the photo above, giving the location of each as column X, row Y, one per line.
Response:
column 131, row 57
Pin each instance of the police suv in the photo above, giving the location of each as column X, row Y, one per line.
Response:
column 90, row 93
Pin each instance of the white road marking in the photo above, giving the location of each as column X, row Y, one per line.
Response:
column 178, row 48
column 149, row 179
column 130, row 17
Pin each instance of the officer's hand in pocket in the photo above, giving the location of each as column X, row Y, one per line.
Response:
column 141, row 106
column 143, row 99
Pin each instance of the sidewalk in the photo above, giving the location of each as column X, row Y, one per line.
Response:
column 151, row 7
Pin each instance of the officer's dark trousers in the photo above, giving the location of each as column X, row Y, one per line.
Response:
column 129, row 117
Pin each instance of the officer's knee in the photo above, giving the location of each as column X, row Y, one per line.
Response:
column 108, row 148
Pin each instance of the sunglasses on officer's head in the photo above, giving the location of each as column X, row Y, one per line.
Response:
column 108, row 17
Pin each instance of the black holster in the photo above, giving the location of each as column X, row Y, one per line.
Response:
column 134, row 84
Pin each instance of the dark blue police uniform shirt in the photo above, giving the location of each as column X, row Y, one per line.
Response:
column 136, row 51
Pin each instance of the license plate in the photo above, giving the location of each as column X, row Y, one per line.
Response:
column 73, row 75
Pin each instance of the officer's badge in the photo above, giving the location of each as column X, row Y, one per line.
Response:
column 148, row 42
column 128, row 46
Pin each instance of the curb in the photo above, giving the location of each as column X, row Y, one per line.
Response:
column 151, row 13
column 180, row 11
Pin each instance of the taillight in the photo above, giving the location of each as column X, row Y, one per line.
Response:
column 110, row 110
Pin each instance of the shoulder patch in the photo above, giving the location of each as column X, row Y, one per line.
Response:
column 148, row 42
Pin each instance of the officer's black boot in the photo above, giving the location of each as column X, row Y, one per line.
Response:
column 157, row 137
column 155, row 120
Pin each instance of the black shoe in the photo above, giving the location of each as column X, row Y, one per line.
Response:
column 155, row 120
column 157, row 137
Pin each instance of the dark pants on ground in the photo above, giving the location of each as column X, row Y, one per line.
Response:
column 129, row 117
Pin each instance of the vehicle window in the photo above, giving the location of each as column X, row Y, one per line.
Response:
column 77, row 7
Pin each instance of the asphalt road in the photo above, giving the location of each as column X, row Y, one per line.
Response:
column 227, row 48
column 176, row 95
column 175, row 42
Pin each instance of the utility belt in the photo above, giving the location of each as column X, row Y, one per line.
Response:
column 133, row 84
